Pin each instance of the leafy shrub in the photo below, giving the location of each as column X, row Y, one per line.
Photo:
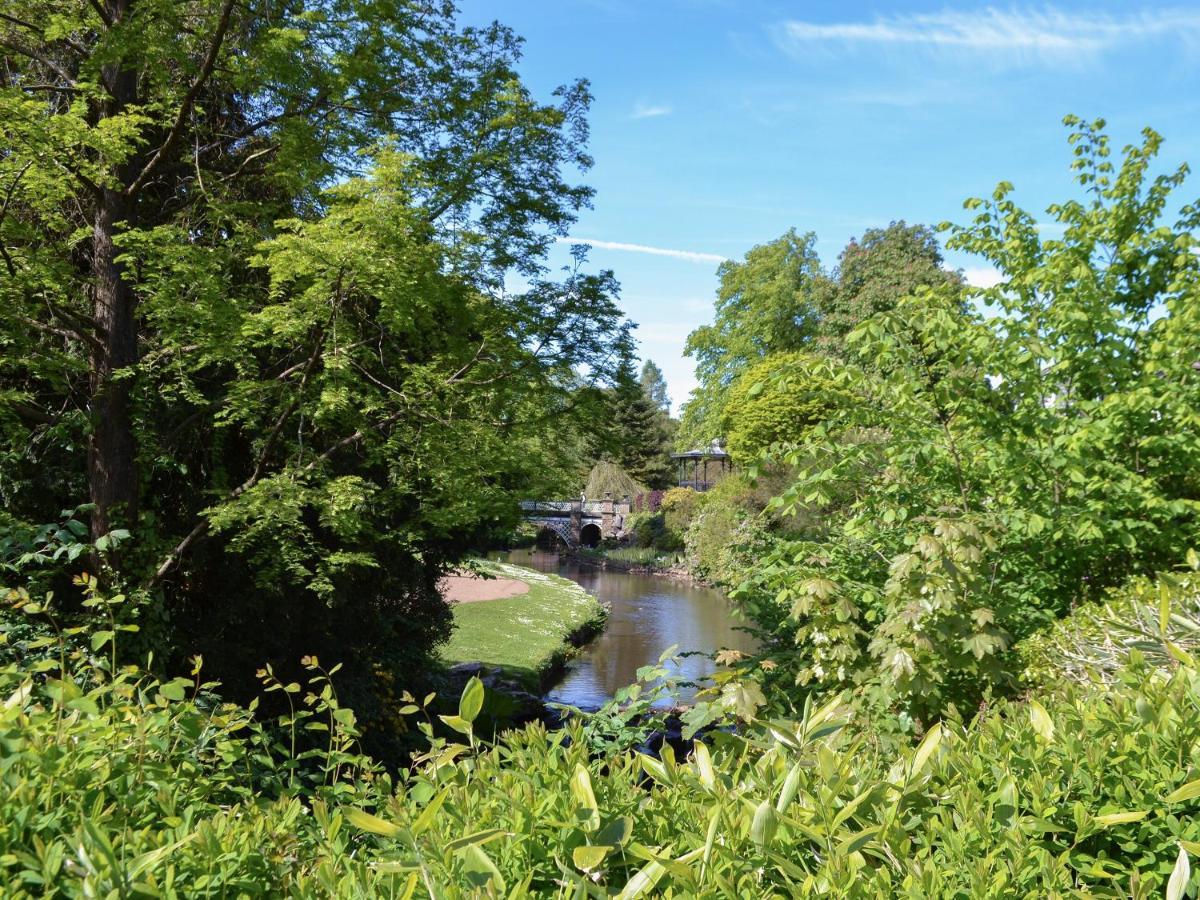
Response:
column 165, row 789
column 728, row 533
column 651, row 530
column 678, row 507
column 1152, row 619
column 775, row 401
column 1014, row 451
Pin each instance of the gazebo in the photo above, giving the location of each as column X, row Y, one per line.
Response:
column 700, row 469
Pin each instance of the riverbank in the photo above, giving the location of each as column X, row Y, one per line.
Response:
column 598, row 559
column 524, row 622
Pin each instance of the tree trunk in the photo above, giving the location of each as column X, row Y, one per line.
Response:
column 112, row 448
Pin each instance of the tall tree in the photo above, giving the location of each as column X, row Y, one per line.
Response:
column 873, row 273
column 636, row 437
column 209, row 120
column 304, row 401
column 655, row 386
column 766, row 303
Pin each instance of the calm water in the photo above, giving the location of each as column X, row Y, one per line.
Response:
column 647, row 616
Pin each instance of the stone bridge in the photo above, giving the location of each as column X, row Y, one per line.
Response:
column 579, row 523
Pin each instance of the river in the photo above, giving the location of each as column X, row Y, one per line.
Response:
column 647, row 615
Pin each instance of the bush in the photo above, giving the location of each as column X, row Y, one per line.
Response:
column 1144, row 619
column 1013, row 451
column 678, row 507
column 728, row 532
column 165, row 788
column 776, row 401
column 651, row 530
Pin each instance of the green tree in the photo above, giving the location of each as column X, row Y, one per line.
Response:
column 873, row 273
column 639, row 440
column 776, row 401
column 304, row 402
column 766, row 303
column 1008, row 457
column 655, row 386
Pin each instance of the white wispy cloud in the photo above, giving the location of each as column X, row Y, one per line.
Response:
column 984, row 277
column 688, row 255
column 1016, row 34
column 650, row 111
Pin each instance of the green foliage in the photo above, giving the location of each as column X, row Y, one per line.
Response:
column 780, row 300
column 254, row 269
column 607, row 477
column 1007, row 459
column 678, row 507
column 635, row 432
column 766, row 304
column 655, row 386
column 650, row 530
column 873, row 273
column 1084, row 791
column 727, row 534
column 774, row 402
column 638, row 556
column 1150, row 621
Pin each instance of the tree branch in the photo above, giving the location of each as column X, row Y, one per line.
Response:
column 201, row 527
column 101, row 12
column 189, row 100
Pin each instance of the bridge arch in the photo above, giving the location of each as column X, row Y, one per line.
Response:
column 561, row 528
column 590, row 534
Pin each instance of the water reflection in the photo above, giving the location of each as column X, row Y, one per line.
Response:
column 648, row 615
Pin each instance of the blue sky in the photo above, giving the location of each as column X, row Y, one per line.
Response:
column 719, row 124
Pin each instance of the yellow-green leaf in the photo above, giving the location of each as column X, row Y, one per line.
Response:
column 1120, row 818
column 1177, row 884
column 1042, row 723
column 1189, row 791
column 581, row 790
column 926, row 748
column 704, row 765
column 643, row 881
column 367, row 822
column 764, row 824
column 471, row 702
column 588, row 857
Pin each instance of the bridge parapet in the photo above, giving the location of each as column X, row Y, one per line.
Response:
column 566, row 518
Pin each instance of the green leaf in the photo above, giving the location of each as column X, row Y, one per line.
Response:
column 1120, row 818
column 458, row 723
column 926, row 749
column 100, row 638
column 616, row 833
column 764, row 824
column 480, row 870
column 1164, row 608
column 429, row 813
column 1189, row 791
column 1042, row 723
column 479, row 837
column 704, row 766
column 367, row 822
column 581, row 790
column 588, row 857
column 172, row 690
column 791, row 785
column 471, row 702
column 643, row 881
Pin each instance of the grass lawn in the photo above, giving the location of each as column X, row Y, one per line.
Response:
column 528, row 635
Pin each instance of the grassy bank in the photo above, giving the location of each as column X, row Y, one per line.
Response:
column 528, row 636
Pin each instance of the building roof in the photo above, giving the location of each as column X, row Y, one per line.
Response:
column 712, row 451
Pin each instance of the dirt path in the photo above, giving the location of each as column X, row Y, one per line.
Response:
column 473, row 589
